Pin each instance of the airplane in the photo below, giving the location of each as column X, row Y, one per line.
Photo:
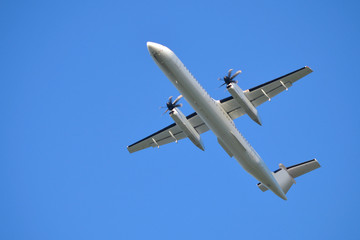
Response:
column 218, row 116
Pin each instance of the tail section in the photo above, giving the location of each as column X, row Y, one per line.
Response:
column 285, row 176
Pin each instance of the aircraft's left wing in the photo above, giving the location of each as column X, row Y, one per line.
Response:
column 264, row 92
column 171, row 133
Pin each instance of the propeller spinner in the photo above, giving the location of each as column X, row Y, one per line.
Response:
column 170, row 105
column 229, row 79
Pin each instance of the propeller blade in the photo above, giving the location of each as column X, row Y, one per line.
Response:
column 177, row 99
column 237, row 73
column 222, row 85
column 229, row 73
column 165, row 111
column 170, row 99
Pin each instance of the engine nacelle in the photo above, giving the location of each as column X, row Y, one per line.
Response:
column 244, row 102
column 186, row 127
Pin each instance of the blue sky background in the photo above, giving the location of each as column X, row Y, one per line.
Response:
column 78, row 86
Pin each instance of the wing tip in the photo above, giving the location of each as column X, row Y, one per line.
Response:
column 129, row 149
column 309, row 68
column 317, row 162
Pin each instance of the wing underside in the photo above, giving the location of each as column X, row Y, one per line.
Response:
column 264, row 92
column 256, row 95
column 171, row 133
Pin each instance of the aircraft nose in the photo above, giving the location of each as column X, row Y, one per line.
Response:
column 154, row 48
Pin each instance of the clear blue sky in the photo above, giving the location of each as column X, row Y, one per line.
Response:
column 78, row 86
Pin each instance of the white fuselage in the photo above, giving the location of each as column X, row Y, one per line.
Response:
column 214, row 116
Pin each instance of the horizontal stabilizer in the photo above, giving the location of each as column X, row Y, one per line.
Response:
column 302, row 168
column 285, row 175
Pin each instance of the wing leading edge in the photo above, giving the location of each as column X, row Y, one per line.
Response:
column 257, row 95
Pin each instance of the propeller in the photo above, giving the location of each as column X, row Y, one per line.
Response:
column 229, row 79
column 170, row 105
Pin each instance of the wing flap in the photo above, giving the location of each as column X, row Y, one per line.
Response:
column 232, row 107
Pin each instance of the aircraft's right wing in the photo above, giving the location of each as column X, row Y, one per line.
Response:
column 171, row 133
column 264, row 92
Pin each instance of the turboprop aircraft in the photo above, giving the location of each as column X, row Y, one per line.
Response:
column 218, row 116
